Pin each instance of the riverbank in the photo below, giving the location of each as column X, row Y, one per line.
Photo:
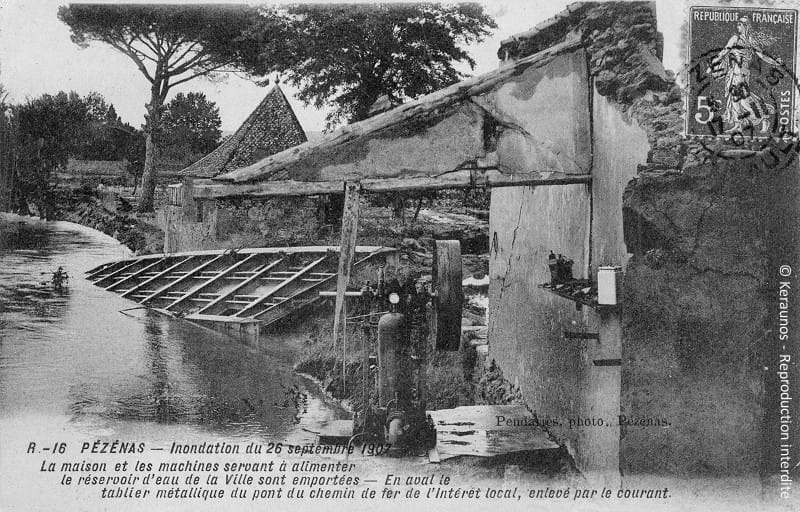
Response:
column 451, row 379
column 87, row 207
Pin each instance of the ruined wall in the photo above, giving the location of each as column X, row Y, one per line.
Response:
column 240, row 223
column 698, row 295
column 525, row 322
column 556, row 374
column 270, row 222
column 707, row 231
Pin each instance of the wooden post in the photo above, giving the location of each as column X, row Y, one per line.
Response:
column 449, row 300
column 347, row 250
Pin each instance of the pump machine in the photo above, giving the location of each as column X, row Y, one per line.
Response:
column 393, row 411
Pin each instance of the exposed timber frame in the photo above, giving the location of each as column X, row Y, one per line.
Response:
column 462, row 178
column 346, row 155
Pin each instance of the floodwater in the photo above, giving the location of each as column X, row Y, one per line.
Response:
column 80, row 364
column 84, row 359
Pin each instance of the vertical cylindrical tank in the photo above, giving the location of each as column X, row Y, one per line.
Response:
column 390, row 348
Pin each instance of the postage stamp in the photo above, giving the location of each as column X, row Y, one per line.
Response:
column 742, row 80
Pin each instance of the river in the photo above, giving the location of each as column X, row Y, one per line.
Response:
column 85, row 366
column 82, row 365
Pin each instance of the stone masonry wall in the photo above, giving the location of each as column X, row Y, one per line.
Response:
column 241, row 223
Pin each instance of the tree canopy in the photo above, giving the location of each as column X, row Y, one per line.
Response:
column 45, row 130
column 191, row 126
column 104, row 136
column 192, row 121
column 170, row 45
column 347, row 55
column 173, row 42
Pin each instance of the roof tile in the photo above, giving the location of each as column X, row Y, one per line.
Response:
column 271, row 128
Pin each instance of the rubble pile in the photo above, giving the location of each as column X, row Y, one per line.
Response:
column 493, row 388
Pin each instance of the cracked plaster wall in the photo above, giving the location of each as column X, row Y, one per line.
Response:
column 527, row 324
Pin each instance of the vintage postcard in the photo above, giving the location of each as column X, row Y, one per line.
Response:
column 506, row 255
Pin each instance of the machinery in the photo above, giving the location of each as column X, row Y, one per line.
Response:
column 394, row 410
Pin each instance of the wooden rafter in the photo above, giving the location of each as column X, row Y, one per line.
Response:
column 324, row 281
column 464, row 178
column 104, row 267
column 117, row 272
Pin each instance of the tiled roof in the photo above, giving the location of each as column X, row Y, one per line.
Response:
column 271, row 128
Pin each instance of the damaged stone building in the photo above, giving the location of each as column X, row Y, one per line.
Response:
column 241, row 222
column 577, row 133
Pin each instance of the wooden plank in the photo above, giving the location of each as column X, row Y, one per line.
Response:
column 261, row 250
column 477, row 431
column 346, row 294
column 352, row 198
column 462, row 178
column 220, row 318
column 164, row 290
column 194, row 291
column 280, row 286
column 449, row 300
column 607, row 362
column 136, row 274
column 576, row 335
column 158, row 275
column 243, row 284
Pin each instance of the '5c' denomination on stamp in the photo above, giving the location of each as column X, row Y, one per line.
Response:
column 742, row 81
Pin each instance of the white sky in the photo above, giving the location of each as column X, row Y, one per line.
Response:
column 37, row 57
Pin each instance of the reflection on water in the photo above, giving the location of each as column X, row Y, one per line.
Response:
column 91, row 360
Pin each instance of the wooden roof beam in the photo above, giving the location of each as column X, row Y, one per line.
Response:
column 279, row 287
column 311, row 157
column 464, row 178
column 189, row 275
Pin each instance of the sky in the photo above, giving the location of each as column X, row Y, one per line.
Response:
column 37, row 57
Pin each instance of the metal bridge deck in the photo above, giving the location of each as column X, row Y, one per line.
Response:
column 259, row 285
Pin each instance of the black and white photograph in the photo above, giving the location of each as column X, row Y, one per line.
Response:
column 503, row 255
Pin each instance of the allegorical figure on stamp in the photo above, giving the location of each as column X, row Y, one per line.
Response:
column 743, row 107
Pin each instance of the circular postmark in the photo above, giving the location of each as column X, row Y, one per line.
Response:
column 740, row 97
column 762, row 130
